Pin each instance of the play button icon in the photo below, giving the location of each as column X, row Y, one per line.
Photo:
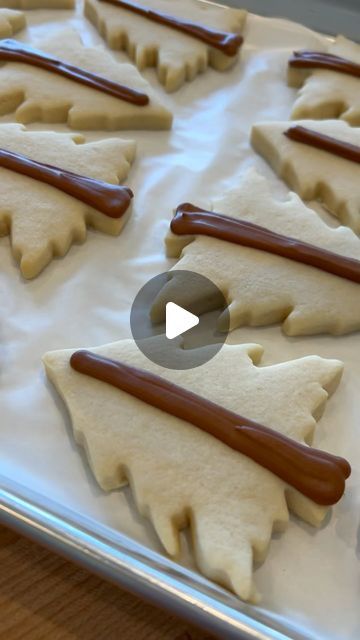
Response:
column 179, row 319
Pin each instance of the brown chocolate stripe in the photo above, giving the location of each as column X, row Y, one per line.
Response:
column 110, row 199
column 317, row 474
column 226, row 42
column 325, row 143
column 14, row 51
column 190, row 220
column 318, row 60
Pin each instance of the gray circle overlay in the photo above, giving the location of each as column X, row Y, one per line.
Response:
column 196, row 294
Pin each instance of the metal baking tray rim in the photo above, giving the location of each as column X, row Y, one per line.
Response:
column 129, row 564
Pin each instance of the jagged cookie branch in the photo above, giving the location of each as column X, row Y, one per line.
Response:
column 180, row 38
column 11, row 22
column 180, row 475
column 316, row 173
column 82, row 86
column 50, row 195
column 260, row 286
column 329, row 82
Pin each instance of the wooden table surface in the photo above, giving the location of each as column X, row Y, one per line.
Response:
column 43, row 597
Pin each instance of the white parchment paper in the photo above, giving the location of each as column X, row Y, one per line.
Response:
column 310, row 578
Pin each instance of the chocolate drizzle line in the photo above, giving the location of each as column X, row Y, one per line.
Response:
column 325, row 143
column 190, row 220
column 317, row 474
column 226, row 42
column 110, row 199
column 318, row 60
column 14, row 51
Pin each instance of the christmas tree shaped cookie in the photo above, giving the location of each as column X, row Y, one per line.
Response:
column 52, row 185
column 181, row 38
column 318, row 159
column 38, row 4
column 81, row 86
column 329, row 81
column 182, row 475
column 11, row 22
column 264, row 285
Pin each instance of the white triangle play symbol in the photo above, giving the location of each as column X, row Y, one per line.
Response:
column 178, row 320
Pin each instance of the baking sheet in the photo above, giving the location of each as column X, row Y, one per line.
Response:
column 310, row 580
column 328, row 16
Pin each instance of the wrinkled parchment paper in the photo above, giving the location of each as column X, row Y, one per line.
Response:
column 310, row 578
